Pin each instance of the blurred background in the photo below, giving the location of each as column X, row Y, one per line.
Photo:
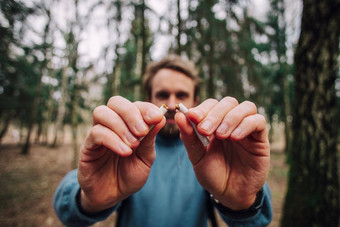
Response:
column 59, row 59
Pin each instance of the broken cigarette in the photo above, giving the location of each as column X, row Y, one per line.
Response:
column 164, row 109
column 184, row 110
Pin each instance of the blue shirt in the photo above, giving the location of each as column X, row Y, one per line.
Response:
column 171, row 196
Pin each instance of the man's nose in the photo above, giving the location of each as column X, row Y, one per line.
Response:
column 172, row 102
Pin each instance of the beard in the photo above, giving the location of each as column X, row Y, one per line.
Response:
column 170, row 130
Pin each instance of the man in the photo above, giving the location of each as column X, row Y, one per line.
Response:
column 169, row 178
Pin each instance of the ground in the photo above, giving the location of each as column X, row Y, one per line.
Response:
column 27, row 184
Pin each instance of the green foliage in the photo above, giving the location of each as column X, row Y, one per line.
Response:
column 233, row 52
column 18, row 72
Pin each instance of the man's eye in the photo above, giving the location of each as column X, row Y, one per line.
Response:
column 162, row 95
column 182, row 95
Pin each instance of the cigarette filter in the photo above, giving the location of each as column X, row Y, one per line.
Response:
column 203, row 139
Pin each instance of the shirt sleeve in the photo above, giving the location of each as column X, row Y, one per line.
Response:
column 66, row 206
column 262, row 218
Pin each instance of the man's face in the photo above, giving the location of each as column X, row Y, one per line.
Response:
column 171, row 87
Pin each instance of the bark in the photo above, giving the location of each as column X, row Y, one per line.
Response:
column 48, row 117
column 5, row 126
column 313, row 191
column 282, row 56
column 287, row 114
column 61, row 109
column 141, row 52
column 179, row 27
column 211, row 52
column 74, row 124
column 25, row 149
column 31, row 120
column 138, row 69
column 116, row 79
column 113, row 79
column 75, row 91
column 38, row 134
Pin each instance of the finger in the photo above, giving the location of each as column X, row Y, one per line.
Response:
column 146, row 150
column 102, row 136
column 193, row 145
column 150, row 112
column 254, row 125
column 233, row 118
column 108, row 118
column 132, row 116
column 215, row 115
column 198, row 113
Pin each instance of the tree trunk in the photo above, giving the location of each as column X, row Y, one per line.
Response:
column 116, row 79
column 141, row 52
column 313, row 191
column 5, row 126
column 61, row 108
column 48, row 117
column 74, row 126
column 25, row 149
column 282, row 56
column 287, row 113
column 211, row 57
column 31, row 120
column 39, row 132
column 138, row 69
column 179, row 27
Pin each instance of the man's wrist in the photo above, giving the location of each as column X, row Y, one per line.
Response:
column 243, row 213
column 84, row 205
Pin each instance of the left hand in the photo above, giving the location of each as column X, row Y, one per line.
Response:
column 235, row 165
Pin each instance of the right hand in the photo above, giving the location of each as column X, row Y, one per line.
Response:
column 113, row 163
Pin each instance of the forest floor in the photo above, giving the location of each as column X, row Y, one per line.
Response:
column 28, row 182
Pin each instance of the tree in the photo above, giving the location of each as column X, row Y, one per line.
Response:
column 278, row 88
column 114, row 20
column 43, row 90
column 313, row 191
column 136, row 53
column 141, row 37
column 16, row 69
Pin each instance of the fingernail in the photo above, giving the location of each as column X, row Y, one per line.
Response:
column 141, row 126
column 222, row 129
column 130, row 138
column 124, row 148
column 206, row 125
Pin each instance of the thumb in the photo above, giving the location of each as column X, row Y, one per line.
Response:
column 146, row 150
column 191, row 142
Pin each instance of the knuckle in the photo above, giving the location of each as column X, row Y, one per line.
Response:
column 261, row 118
column 97, row 112
column 95, row 131
column 230, row 99
column 124, row 112
column 231, row 117
column 250, row 105
column 138, row 103
column 114, row 99
column 211, row 100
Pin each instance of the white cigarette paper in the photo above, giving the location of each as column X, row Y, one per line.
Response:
column 203, row 139
column 164, row 109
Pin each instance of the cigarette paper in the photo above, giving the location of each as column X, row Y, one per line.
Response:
column 203, row 139
column 164, row 109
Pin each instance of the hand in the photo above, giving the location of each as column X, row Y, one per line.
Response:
column 113, row 163
column 234, row 166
